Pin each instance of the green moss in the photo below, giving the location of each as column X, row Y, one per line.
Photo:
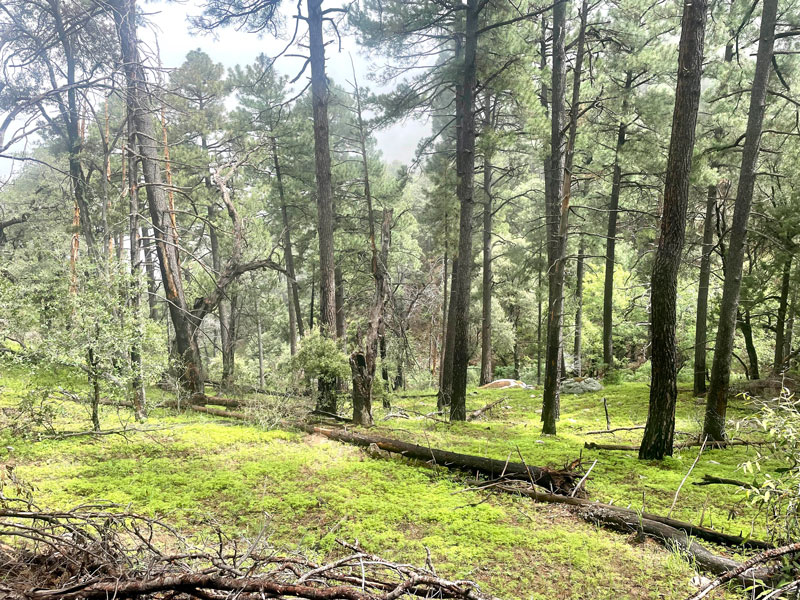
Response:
column 312, row 490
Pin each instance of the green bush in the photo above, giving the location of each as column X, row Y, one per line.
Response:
column 320, row 358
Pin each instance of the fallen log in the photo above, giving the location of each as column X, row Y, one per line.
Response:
column 219, row 412
column 703, row 533
column 218, row 400
column 709, row 446
column 711, row 480
column 477, row 413
column 557, row 481
column 701, row 556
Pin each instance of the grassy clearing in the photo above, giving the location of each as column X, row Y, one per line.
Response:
column 311, row 490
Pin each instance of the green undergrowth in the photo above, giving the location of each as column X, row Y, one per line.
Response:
column 192, row 469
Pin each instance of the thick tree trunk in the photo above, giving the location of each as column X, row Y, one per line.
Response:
column 717, row 400
column 486, row 317
column 701, row 323
column 166, row 242
column 322, row 161
column 578, row 347
column 465, row 161
column 780, row 322
column 611, row 235
column 446, row 386
column 561, row 186
column 660, row 428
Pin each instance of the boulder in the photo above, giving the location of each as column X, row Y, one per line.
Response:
column 580, row 385
column 501, row 384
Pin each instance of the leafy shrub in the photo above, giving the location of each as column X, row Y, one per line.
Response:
column 318, row 357
column 777, row 497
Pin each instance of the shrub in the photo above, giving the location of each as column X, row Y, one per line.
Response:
column 318, row 357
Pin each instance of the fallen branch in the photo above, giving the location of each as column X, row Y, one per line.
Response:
column 711, row 480
column 632, row 428
column 477, row 413
column 558, row 481
column 691, row 444
column 703, row 533
column 771, row 554
column 122, row 431
column 219, row 412
column 330, row 415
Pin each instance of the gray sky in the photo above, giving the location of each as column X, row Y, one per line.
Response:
column 231, row 47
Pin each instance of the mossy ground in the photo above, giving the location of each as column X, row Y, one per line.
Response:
column 311, row 490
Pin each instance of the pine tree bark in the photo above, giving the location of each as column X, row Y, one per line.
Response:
column 717, row 399
column 322, row 162
column 745, row 325
column 611, row 235
column 561, row 186
column 780, row 322
column 578, row 347
column 701, row 323
column 660, row 428
column 486, row 317
column 465, row 160
column 288, row 254
column 166, row 243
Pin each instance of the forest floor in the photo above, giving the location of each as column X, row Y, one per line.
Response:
column 190, row 468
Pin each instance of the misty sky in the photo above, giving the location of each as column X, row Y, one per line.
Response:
column 175, row 39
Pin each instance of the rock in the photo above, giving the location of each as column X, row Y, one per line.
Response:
column 501, row 384
column 580, row 385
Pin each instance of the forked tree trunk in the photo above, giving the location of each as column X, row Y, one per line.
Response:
column 745, row 325
column 660, row 428
column 561, row 186
column 611, row 235
column 166, row 243
column 717, row 400
column 322, row 160
column 701, row 322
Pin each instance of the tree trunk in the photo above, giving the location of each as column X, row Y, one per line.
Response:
column 701, row 323
column 787, row 338
column 611, row 235
column 229, row 343
column 561, row 185
column 135, row 289
column 445, row 299
column 465, row 162
column 515, row 311
column 746, row 326
column 322, row 162
column 260, row 349
column 166, row 242
column 660, row 428
column 288, row 254
column 717, row 400
column 486, row 317
column 341, row 325
column 780, row 323
column 579, row 313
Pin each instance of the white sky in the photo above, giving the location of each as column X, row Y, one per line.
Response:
column 231, row 47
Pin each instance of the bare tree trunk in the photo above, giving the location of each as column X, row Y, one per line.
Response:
column 611, row 236
column 166, row 242
column 561, row 185
column 446, row 387
column 229, row 342
column 445, row 299
column 660, row 428
column 579, row 312
column 322, row 160
column 701, row 323
column 717, row 399
column 465, row 162
column 787, row 338
column 341, row 325
column 486, row 317
column 780, row 323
